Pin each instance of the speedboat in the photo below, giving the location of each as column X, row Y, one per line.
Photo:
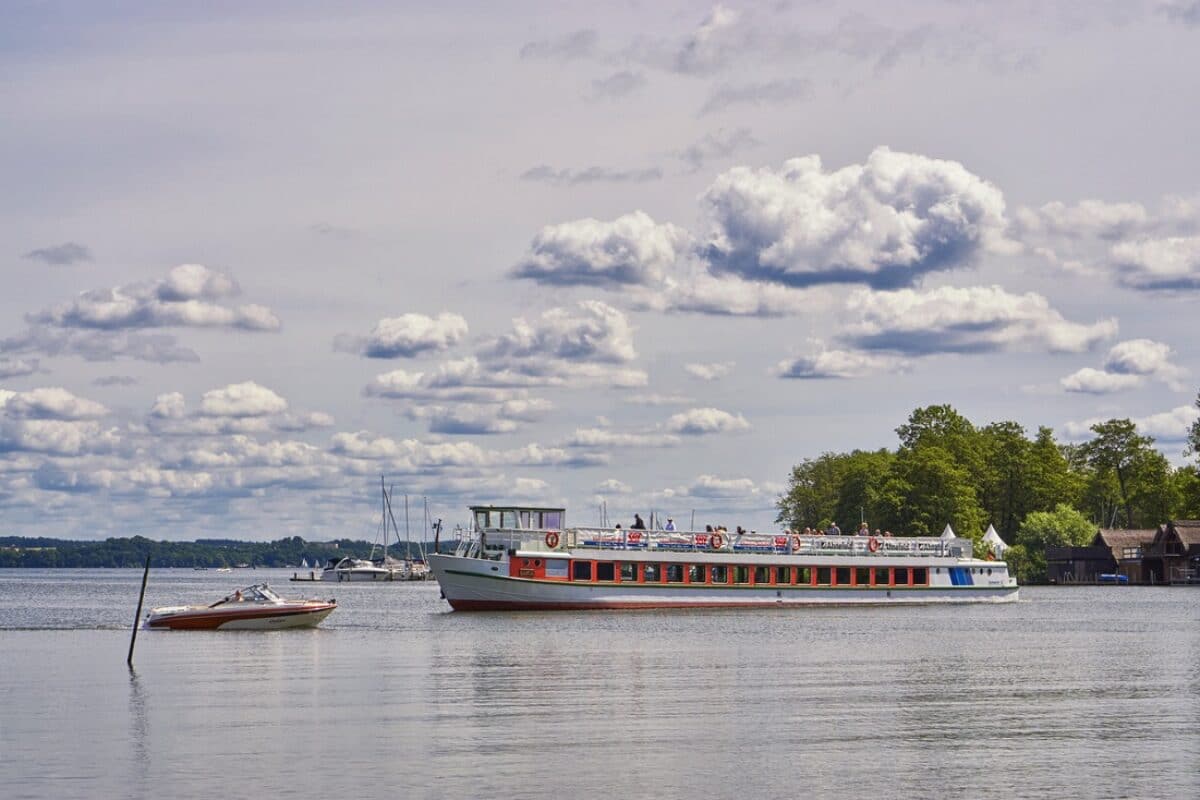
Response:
column 254, row 608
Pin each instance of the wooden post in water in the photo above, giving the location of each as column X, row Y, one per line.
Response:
column 138, row 616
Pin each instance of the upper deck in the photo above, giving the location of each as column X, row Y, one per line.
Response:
column 527, row 528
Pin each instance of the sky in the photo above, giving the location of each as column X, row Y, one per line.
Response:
column 640, row 257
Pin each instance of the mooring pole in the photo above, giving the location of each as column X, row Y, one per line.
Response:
column 138, row 616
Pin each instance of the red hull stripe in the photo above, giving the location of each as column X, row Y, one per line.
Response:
column 215, row 620
column 511, row 605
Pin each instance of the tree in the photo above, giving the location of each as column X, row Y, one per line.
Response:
column 1006, row 495
column 1116, row 448
column 927, row 489
column 1062, row 527
column 1193, row 438
column 1052, row 480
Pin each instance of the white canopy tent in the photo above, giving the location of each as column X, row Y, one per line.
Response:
column 992, row 540
column 949, row 532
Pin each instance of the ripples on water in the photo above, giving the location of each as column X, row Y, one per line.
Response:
column 1082, row 692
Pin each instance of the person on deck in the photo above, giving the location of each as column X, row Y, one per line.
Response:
column 670, row 526
column 638, row 524
column 833, row 530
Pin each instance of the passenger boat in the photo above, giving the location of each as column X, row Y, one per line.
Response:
column 523, row 558
column 255, row 608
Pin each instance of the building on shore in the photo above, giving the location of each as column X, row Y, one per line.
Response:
column 1113, row 551
column 1168, row 554
column 1173, row 556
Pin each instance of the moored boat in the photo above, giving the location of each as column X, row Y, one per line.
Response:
column 255, row 607
column 520, row 558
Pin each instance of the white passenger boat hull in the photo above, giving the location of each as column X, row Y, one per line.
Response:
column 473, row 584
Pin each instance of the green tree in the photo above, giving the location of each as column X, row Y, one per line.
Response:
column 1006, row 494
column 1116, row 448
column 1062, row 527
column 1193, row 438
column 1052, row 479
column 928, row 489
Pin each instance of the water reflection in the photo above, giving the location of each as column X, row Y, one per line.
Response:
column 139, row 737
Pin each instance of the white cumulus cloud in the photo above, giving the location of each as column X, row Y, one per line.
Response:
column 246, row 399
column 701, row 421
column 409, row 335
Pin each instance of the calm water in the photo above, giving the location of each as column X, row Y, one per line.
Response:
column 1084, row 692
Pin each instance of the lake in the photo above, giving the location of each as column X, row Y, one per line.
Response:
column 1073, row 692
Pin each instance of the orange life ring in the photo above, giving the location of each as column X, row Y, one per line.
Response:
column 796, row 544
column 717, row 541
column 873, row 544
column 552, row 539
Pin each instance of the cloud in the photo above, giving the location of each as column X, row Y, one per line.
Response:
column 61, row 254
column 407, row 336
column 656, row 399
column 631, row 250
column 609, row 439
column 1127, row 366
column 246, row 399
column 612, row 486
column 711, row 486
column 711, row 45
column 778, row 92
column 17, row 367
column 884, row 223
column 49, row 403
column 722, row 144
column 1166, row 426
column 566, row 47
column 1095, row 381
column 1185, row 12
column 1159, row 264
column 171, row 405
column 703, row 421
column 478, row 419
column 93, row 345
column 708, row 372
column 115, row 380
column 573, row 177
column 592, row 332
column 183, row 299
column 976, row 319
column 62, row 437
column 835, row 363
column 619, row 84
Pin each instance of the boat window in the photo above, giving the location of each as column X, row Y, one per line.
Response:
column 673, row 572
column 741, row 574
column 843, row 576
column 604, row 570
column 695, row 573
column 803, row 575
column 628, row 571
column 920, row 576
column 989, row 570
column 552, row 519
column 783, row 574
column 525, row 519
column 556, row 567
column 902, row 576
column 862, row 576
column 762, row 574
column 881, row 576
column 719, row 573
column 581, row 570
column 481, row 520
column 650, row 573
column 823, row 576
column 508, row 519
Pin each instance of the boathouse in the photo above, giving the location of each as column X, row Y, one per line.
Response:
column 1173, row 556
column 1113, row 551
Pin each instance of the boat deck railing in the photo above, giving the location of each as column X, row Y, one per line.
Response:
column 584, row 538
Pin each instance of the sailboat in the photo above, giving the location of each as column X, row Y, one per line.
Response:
column 385, row 568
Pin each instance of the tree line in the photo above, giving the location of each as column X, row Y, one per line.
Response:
column 18, row 551
column 1036, row 491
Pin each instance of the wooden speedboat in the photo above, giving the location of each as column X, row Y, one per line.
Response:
column 254, row 608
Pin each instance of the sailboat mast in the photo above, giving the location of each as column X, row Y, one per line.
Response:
column 383, row 516
column 407, row 537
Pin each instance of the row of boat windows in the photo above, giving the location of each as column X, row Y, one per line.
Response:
column 638, row 572
column 529, row 520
